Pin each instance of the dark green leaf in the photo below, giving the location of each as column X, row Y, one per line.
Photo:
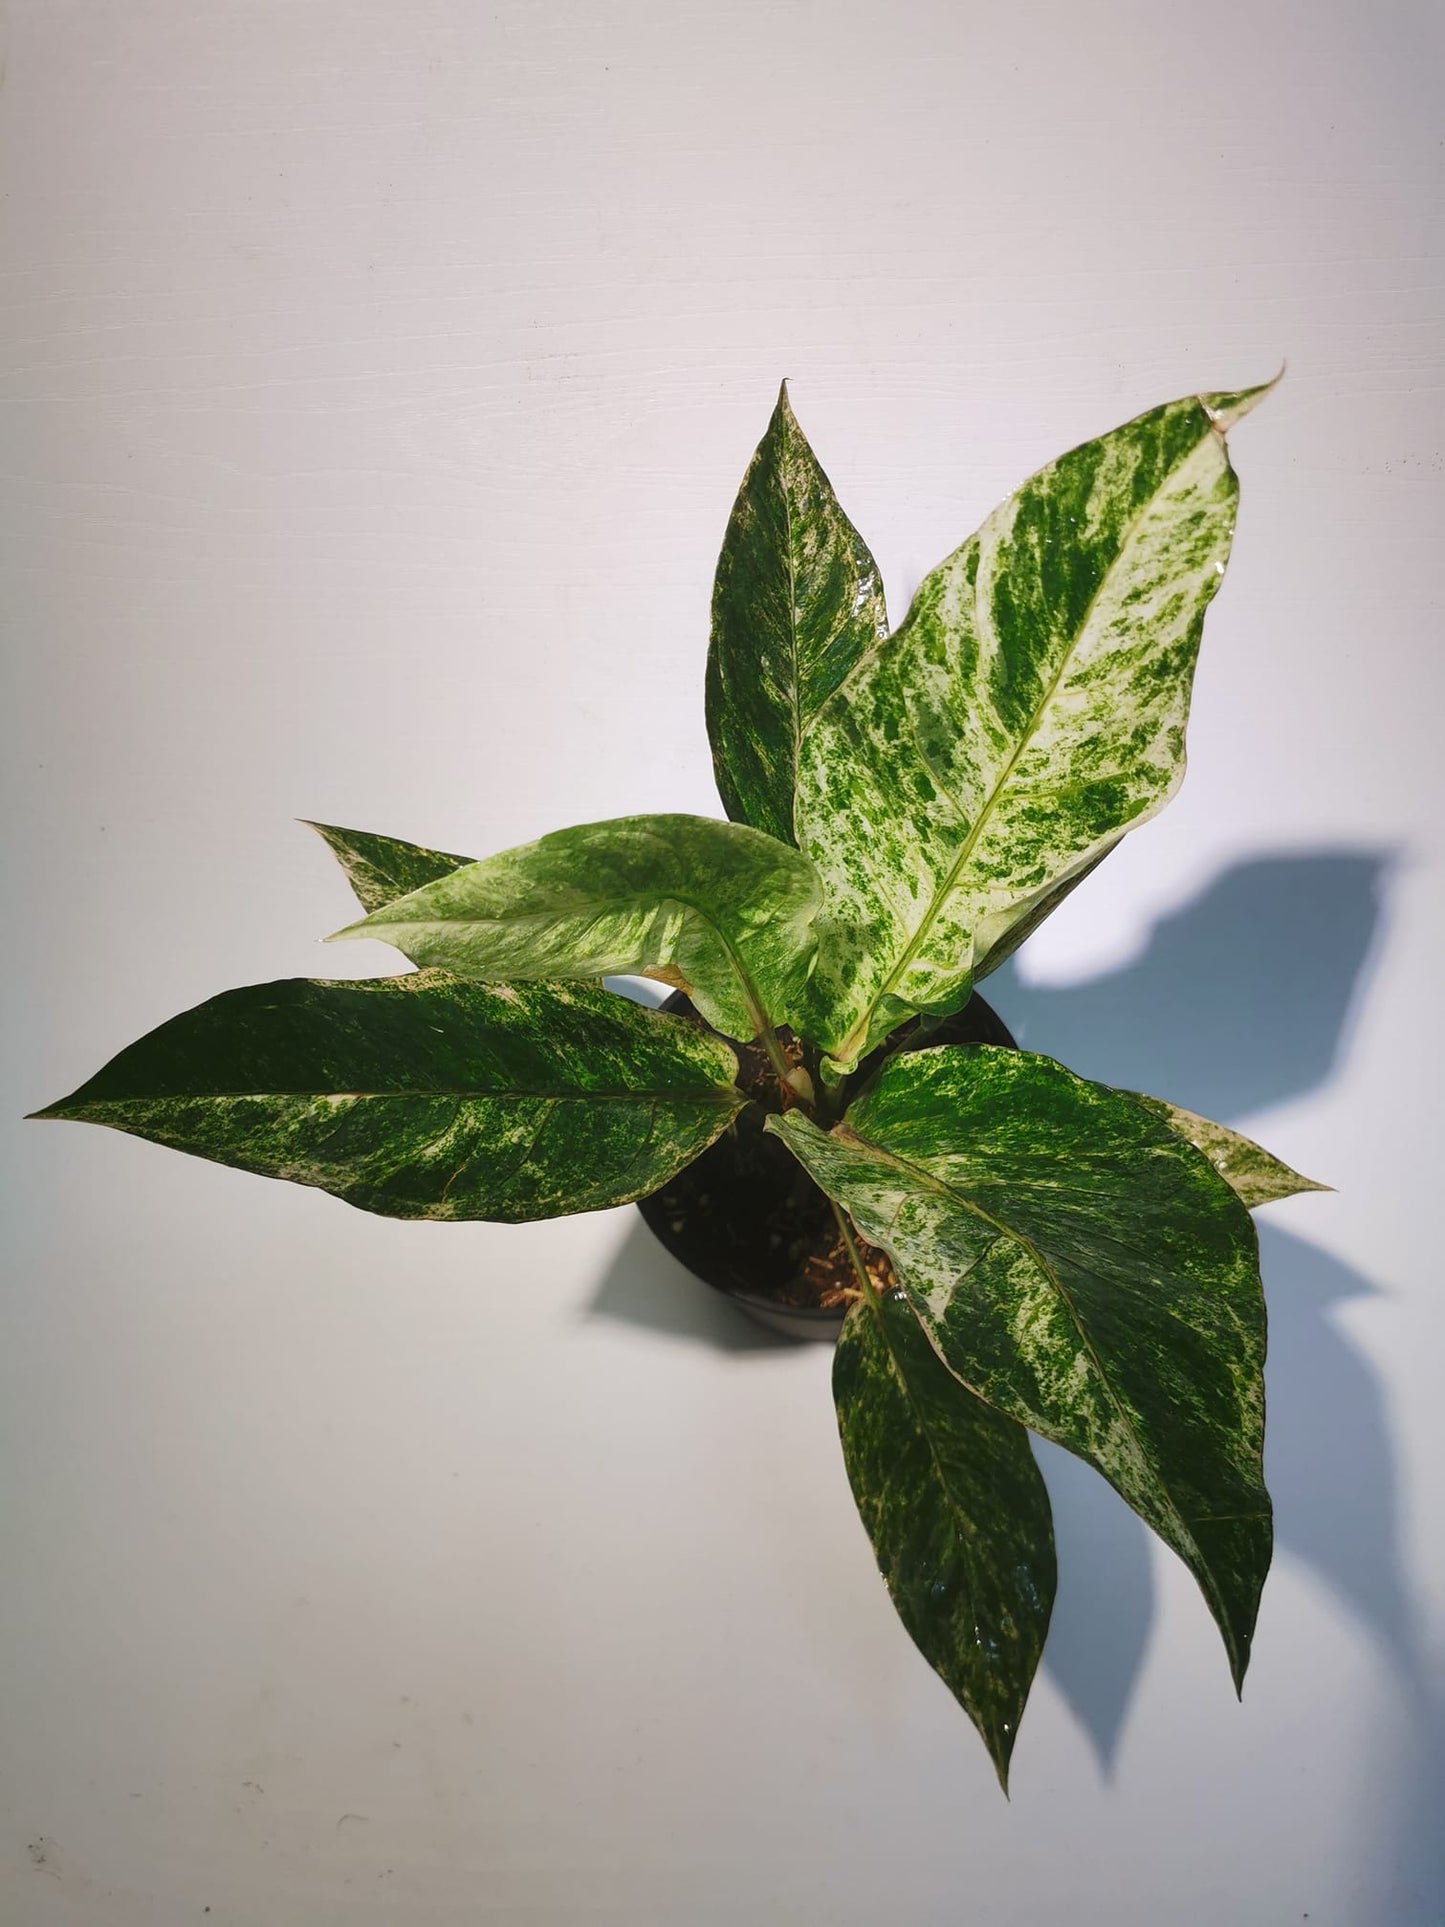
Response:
column 1029, row 711
column 1246, row 1167
column 796, row 601
column 422, row 1097
column 956, row 1511
column 380, row 868
column 1083, row 1269
column 716, row 909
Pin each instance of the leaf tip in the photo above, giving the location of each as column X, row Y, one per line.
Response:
column 337, row 840
column 998, row 1735
column 784, row 421
column 65, row 1110
column 1291, row 1184
column 1227, row 407
column 1238, row 1664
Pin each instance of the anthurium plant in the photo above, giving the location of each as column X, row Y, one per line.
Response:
column 1030, row 1251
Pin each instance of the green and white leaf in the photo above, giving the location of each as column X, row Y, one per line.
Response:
column 987, row 961
column 423, row 1097
column 1246, row 1167
column 956, row 1511
column 380, row 868
column 1084, row 1270
column 1029, row 711
column 716, row 909
column 796, row 600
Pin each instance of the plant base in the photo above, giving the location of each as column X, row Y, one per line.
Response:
column 748, row 1220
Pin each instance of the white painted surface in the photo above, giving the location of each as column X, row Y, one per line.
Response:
column 376, row 378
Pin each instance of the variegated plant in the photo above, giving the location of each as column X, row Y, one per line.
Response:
column 905, row 807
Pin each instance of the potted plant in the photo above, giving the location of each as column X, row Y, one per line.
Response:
column 1008, row 1247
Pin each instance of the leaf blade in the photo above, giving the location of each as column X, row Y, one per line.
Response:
column 956, row 1512
column 1255, row 1175
column 797, row 598
column 717, row 909
column 1030, row 709
column 423, row 1097
column 381, row 868
column 1084, row 1270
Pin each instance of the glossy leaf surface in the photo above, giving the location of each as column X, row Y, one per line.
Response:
column 1083, row 1269
column 380, row 868
column 715, row 909
column 1247, row 1168
column 1029, row 711
column 422, row 1097
column 956, row 1511
column 796, row 600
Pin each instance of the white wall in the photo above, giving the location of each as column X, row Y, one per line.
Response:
column 376, row 379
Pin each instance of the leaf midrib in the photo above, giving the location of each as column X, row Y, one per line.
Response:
column 945, row 889
column 601, row 906
column 720, row 1095
column 930, row 1181
column 797, row 691
column 830, row 506
column 967, row 1531
column 873, row 1305
column 964, row 1526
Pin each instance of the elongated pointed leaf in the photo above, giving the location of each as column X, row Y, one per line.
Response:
column 796, row 600
column 956, row 1511
column 1083, row 1269
column 1247, row 1168
column 380, row 868
column 1029, row 711
column 715, row 909
column 422, row 1097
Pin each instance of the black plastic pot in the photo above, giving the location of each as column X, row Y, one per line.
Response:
column 746, row 1218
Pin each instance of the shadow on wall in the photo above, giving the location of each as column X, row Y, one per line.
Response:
column 1241, row 1000
column 1238, row 1001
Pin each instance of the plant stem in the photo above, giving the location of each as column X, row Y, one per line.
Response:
column 780, row 1064
column 821, row 1110
column 832, row 1095
column 870, row 1290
